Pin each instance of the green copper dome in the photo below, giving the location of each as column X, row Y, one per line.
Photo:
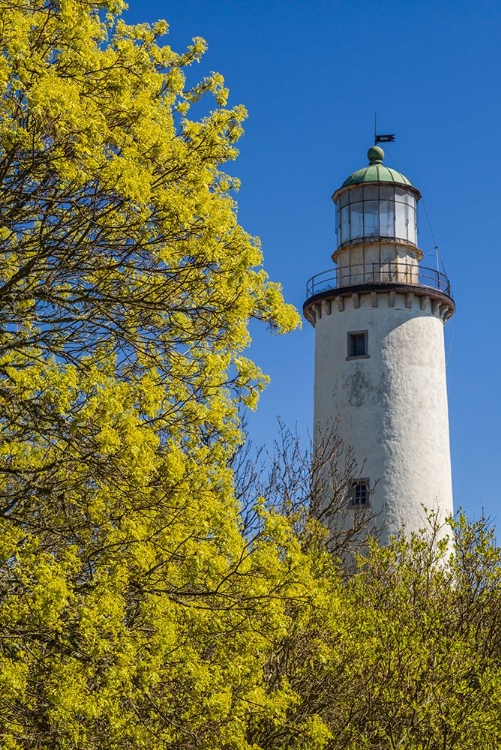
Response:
column 376, row 171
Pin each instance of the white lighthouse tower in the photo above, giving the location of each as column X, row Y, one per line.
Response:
column 379, row 353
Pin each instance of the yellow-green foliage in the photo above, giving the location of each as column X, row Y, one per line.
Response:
column 132, row 612
column 409, row 653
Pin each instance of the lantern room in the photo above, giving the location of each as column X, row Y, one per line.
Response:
column 376, row 204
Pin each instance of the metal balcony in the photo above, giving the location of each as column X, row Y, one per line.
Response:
column 408, row 274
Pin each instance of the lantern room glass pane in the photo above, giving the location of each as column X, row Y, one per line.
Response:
column 405, row 222
column 344, row 224
column 387, row 218
column 386, row 193
column 371, row 219
column 356, row 220
column 354, row 196
column 411, row 226
column 371, row 193
column 404, row 196
column 401, row 221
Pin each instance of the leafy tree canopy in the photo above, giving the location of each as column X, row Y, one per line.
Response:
column 126, row 288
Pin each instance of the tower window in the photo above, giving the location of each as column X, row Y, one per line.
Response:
column 360, row 493
column 357, row 344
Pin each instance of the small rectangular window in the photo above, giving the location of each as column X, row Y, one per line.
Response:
column 357, row 344
column 360, row 493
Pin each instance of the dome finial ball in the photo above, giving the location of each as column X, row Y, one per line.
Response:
column 375, row 155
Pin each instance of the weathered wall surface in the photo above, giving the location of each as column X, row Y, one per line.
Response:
column 391, row 406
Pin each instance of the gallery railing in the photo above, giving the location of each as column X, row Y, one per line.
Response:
column 378, row 273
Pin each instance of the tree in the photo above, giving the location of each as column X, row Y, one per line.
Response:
column 406, row 653
column 402, row 650
column 132, row 612
column 310, row 487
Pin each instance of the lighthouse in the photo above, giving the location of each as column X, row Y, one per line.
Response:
column 380, row 372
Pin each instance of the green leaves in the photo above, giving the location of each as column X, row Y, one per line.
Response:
column 129, row 597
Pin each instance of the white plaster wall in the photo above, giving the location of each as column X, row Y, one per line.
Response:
column 391, row 407
column 358, row 263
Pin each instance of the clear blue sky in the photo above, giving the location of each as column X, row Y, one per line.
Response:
column 312, row 74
